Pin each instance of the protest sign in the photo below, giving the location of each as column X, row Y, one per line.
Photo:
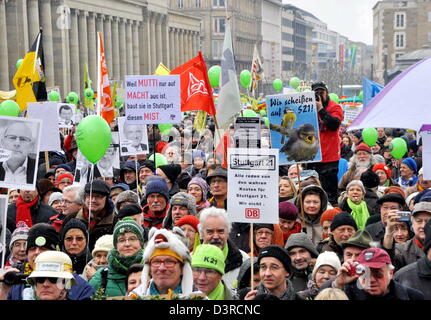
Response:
column 133, row 138
column 3, row 221
column 152, row 99
column 350, row 113
column 247, row 132
column 294, row 127
column 45, row 112
column 425, row 133
column 253, row 195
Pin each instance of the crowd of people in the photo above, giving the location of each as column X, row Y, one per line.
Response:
column 355, row 226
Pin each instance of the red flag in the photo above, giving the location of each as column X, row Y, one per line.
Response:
column 221, row 149
column 104, row 99
column 196, row 92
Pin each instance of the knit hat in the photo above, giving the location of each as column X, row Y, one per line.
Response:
column 157, row 185
column 362, row 147
column 202, row 184
column 63, row 166
column 208, row 256
column 43, row 235
column 98, row 186
column 370, row 179
column 411, row 197
column 172, row 171
column 129, row 210
column 411, row 164
column 427, row 242
column 55, row 196
column 329, row 215
column 395, row 189
column 303, row 241
column 45, row 185
column 383, row 167
column 165, row 240
column 190, row 220
column 287, row 211
column 183, row 199
column 148, row 164
column 122, row 186
column 126, row 196
column 326, row 258
column 218, row 172
column 128, row 225
column 343, row 219
column 104, row 243
column 64, row 175
column 198, row 154
column 392, row 197
column 356, row 183
column 73, row 224
column 360, row 239
column 276, row 252
column 20, row 233
column 258, row 226
column 423, row 196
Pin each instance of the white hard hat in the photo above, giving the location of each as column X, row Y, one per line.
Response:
column 53, row 264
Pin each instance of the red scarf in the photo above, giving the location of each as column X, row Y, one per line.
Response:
column 94, row 220
column 419, row 244
column 23, row 211
column 296, row 229
column 154, row 220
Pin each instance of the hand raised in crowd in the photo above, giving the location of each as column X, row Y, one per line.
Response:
column 6, row 270
column 319, row 105
column 4, row 288
column 392, row 221
column 90, row 271
column 346, row 274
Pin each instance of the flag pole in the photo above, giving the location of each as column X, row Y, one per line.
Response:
column 99, row 87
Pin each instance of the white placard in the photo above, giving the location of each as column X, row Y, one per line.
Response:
column 152, row 99
column 3, row 223
column 426, row 154
column 247, row 132
column 46, row 111
column 133, row 138
column 253, row 188
column 66, row 115
column 350, row 113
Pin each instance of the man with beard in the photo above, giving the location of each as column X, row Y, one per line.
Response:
column 157, row 196
column 330, row 115
column 361, row 161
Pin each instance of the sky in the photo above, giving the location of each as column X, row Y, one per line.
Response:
column 350, row 18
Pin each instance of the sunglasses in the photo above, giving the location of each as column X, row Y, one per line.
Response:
column 42, row 280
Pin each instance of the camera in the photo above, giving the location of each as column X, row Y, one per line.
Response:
column 317, row 95
column 359, row 270
column 11, row 278
column 404, row 216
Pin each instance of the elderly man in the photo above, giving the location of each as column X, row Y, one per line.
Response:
column 302, row 254
column 376, row 280
column 157, row 197
column 217, row 180
column 214, row 228
column 181, row 204
column 19, row 168
column 353, row 247
column 412, row 250
column 72, row 200
column 208, row 269
column 134, row 134
column 274, row 269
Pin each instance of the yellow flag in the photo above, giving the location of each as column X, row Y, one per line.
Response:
column 162, row 70
column 200, row 121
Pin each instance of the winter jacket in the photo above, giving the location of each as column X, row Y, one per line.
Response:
column 329, row 244
column 233, row 262
column 376, row 230
column 300, row 278
column 115, row 285
column 416, row 275
column 289, row 294
column 151, row 220
column 40, row 212
column 330, row 118
column 405, row 253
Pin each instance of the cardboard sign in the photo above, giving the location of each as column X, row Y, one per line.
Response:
column 133, row 138
column 46, row 111
column 350, row 113
column 247, row 132
column 253, row 193
column 294, row 127
column 425, row 133
column 152, row 99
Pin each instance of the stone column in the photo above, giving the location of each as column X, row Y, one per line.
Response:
column 136, row 60
column 92, row 46
column 115, row 49
column 178, row 60
column 166, row 44
column 172, row 64
column 159, row 40
column 129, row 44
column 107, row 35
column 47, row 42
column 185, row 45
column 4, row 67
column 65, row 64
column 33, row 23
column 123, row 56
column 74, row 52
column 153, row 50
column 83, row 47
column 144, row 47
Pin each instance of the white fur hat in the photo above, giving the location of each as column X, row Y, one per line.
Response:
column 104, row 243
column 165, row 239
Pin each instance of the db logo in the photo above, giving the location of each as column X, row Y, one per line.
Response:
column 252, row 213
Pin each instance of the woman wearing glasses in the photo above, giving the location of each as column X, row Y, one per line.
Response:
column 74, row 243
column 128, row 249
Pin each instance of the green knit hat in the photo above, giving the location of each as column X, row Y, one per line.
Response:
column 208, row 256
column 128, row 225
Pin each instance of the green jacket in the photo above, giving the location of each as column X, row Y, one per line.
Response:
column 116, row 284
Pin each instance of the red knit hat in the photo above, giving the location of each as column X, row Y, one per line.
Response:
column 384, row 167
column 190, row 220
column 362, row 147
column 329, row 215
column 63, row 175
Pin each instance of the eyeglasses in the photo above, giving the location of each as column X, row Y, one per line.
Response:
column 50, row 279
column 12, row 138
column 208, row 272
column 77, row 239
column 130, row 240
column 167, row 263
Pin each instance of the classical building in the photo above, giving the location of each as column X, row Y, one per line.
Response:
column 400, row 27
column 137, row 36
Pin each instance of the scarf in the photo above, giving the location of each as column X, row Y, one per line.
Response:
column 94, row 219
column 296, row 229
column 155, row 292
column 359, row 212
column 419, row 244
column 217, row 293
column 408, row 183
column 121, row 263
column 23, row 211
column 288, row 294
column 154, row 220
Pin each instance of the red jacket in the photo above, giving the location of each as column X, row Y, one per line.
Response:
column 330, row 141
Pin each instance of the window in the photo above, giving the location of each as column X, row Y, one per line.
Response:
column 287, row 22
column 286, row 36
column 180, row 3
column 398, row 55
column 217, row 48
column 429, row 16
column 287, row 50
column 198, row 3
column 219, row 25
column 399, row 41
column 218, row 4
column 400, row 20
column 287, row 65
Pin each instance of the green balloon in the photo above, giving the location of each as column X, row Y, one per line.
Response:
column 262, row 113
column 18, row 63
column 277, row 84
column 72, row 97
column 165, row 128
column 118, row 103
column 245, row 78
column 398, row 148
column 369, row 135
column 54, row 96
column 334, row 97
column 89, row 94
column 9, row 108
column 214, row 76
column 294, row 82
column 93, row 137
column 249, row 113
column 266, row 121
column 160, row 159
column 361, row 95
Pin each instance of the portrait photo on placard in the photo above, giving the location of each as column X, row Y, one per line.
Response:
column 133, row 138
column 19, row 152
column 110, row 162
column 82, row 169
column 3, row 223
column 66, row 112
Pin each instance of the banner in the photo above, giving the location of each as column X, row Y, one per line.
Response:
column 370, row 89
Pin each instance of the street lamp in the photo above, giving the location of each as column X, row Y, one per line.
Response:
column 385, row 61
